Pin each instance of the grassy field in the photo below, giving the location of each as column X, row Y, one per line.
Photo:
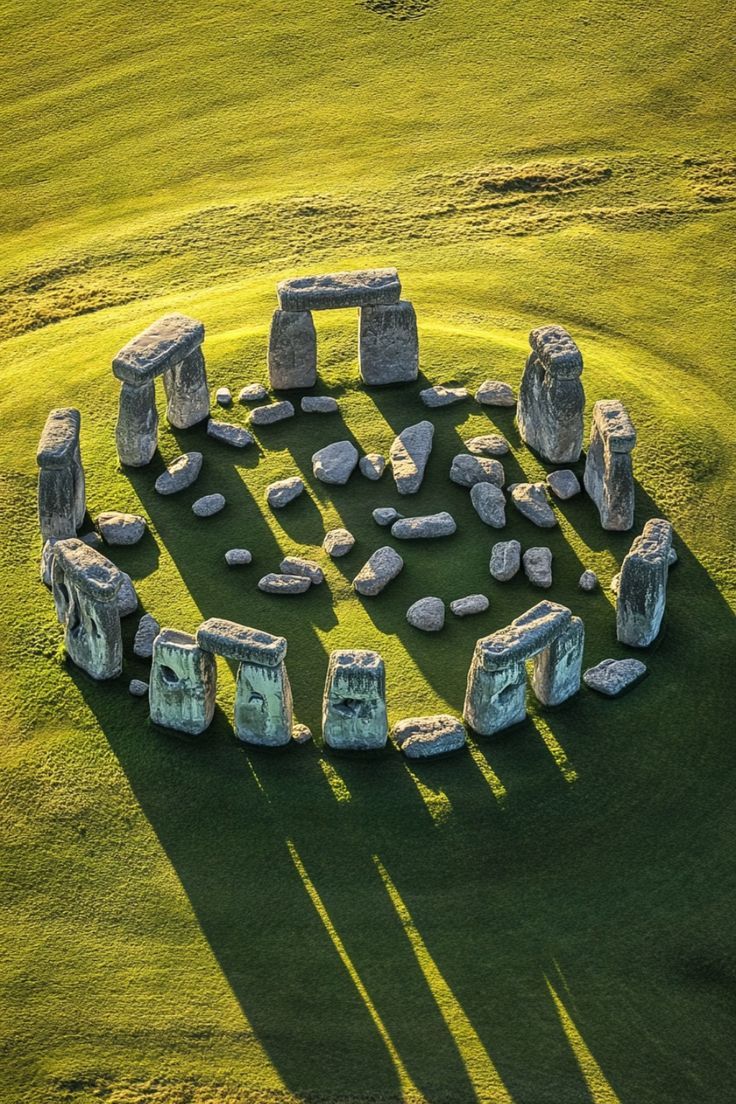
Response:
column 547, row 919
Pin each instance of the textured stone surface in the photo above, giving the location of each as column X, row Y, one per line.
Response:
column 538, row 566
column 136, row 430
column 588, row 580
column 488, row 444
column 354, row 702
column 59, row 440
column 275, row 583
column 319, row 404
column 223, row 396
column 609, row 475
column 301, row 734
column 338, row 542
column 467, row 470
column 472, row 603
column 166, row 342
column 442, row 396
column 335, row 463
column 253, row 392
column 61, row 483
column 372, row 465
column 283, row 491
column 424, row 527
column 489, row 502
column 505, row 560
column 187, row 391
column 127, row 596
column 613, row 676
column 229, row 434
column 531, row 501
column 119, row 528
column 183, row 683
column 615, row 581
column 378, row 571
column 138, row 688
column 385, row 515
column 551, row 396
column 208, row 505
column 388, row 345
column 180, row 473
column 361, row 288
column 240, row 642
column 292, row 350
column 426, row 737
column 85, row 588
column 238, row 557
column 47, row 560
column 264, row 711
column 556, row 669
column 427, row 614
column 642, row 589
column 297, row 565
column 409, row 455
column 273, row 412
column 563, row 483
column 147, row 631
column 495, row 393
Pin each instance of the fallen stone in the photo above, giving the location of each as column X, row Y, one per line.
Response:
column 147, row 631
column 223, row 396
column 117, row 528
column 296, row 565
column 94, row 540
column 505, row 560
column 273, row 412
column 467, row 470
column 613, row 676
column 180, row 473
column 236, row 557
column 127, row 596
column 488, row 444
column 338, row 542
column 301, row 734
column 671, row 559
column 232, row 640
column 425, row 527
column 364, row 288
column 388, row 344
column 564, row 484
column 229, row 434
column 138, row 688
column 472, row 603
column 538, row 566
column 442, row 396
column 283, row 491
column 551, row 396
column 372, row 465
column 319, row 404
column 427, row 737
column 378, row 571
column 531, row 501
column 428, row 614
column 335, row 463
column 588, row 580
column 386, row 515
column 274, row 583
column 495, row 393
column 208, row 505
column 253, row 392
column 409, row 455
column 354, row 701
column 489, row 503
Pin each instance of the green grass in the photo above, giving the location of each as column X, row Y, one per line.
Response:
column 547, row 919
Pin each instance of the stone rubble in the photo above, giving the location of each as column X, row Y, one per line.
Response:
column 385, row 515
column 588, row 581
column 319, row 404
column 538, row 566
column 372, row 465
column 296, row 565
column 223, row 396
column 532, row 503
column 253, row 392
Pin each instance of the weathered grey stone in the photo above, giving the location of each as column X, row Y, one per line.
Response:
column 538, row 566
column 489, row 502
column 467, row 470
column 253, row 392
column 442, row 396
column 338, row 542
column 180, row 473
column 166, row 342
column 223, row 396
column 354, row 703
column 588, row 580
column 495, row 393
column 319, row 404
column 138, row 688
column 615, row 582
column 240, row 642
column 274, row 412
column 335, row 463
column 208, row 505
column 563, row 484
column 609, row 476
column 472, row 603
column 119, row 528
column 85, row 587
column 373, row 465
column 531, row 501
column 264, row 710
column 556, row 669
column 238, row 557
column 301, row 734
column 488, row 444
column 147, row 631
column 187, row 391
column 378, row 571
column 672, row 558
column 292, row 350
column 425, row 527
column 505, row 560
column 93, row 539
column 551, row 396
column 127, row 596
column 273, row 583
column 228, row 433
column 409, row 455
column 136, row 430
column 388, row 345
column 613, row 676
column 642, row 592
column 427, row 614
column 283, row 491
column 61, row 483
column 386, row 515
column 297, row 565
column 364, row 288
column 182, row 684
column 47, row 560
column 427, row 737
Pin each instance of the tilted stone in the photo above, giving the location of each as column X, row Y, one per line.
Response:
column 388, row 345
column 427, row 737
column 283, row 491
column 183, row 683
column 234, row 641
column 292, row 350
column 378, row 571
column 538, row 566
column 354, row 702
column 364, row 288
column 488, row 444
column 563, row 484
column 338, row 542
column 467, row 470
column 229, row 434
column 147, row 631
column 442, row 396
column 409, row 455
column 335, row 463
column 472, row 603
column 119, row 528
column 319, row 404
column 495, row 393
column 187, row 391
column 425, row 527
column 297, row 565
column 136, row 430
column 531, row 501
column 208, row 505
column 551, row 396
column 642, row 589
column 505, row 560
column 489, row 503
column 427, row 614
column 372, row 465
column 274, row 412
column 613, row 676
column 166, row 342
column 609, row 476
column 274, row 583
column 180, row 473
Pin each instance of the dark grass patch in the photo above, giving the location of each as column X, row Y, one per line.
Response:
column 399, row 10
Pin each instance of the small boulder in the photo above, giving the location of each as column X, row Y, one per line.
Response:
column 472, row 603
column 488, row 444
column 495, row 393
column 208, row 505
column 373, row 465
column 467, row 470
column 229, row 434
column 489, row 502
column 283, row 491
column 409, row 454
column 564, row 483
column 338, row 542
column 319, row 404
column 531, row 501
column 274, row 583
column 180, row 473
column 613, row 676
column 428, row 614
column 237, row 557
column 588, row 580
column 385, row 515
column 127, row 597
column 274, row 412
column 443, row 396
column 505, row 560
column 147, row 631
column 378, row 571
column 253, row 392
column 538, row 566
column 424, row 528
column 335, row 463
column 426, row 737
column 301, row 734
column 117, row 528
column 138, row 688
column 295, row 565
column 223, row 396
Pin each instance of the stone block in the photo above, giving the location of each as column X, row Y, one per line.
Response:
column 292, row 350
column 182, row 684
column 164, row 343
column 388, row 345
column 365, row 288
column 354, row 703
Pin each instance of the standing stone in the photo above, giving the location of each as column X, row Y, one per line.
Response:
column 388, row 346
column 61, row 483
column 85, row 587
column 378, row 571
column 147, row 631
column 127, row 596
column 187, row 392
column 354, row 703
column 292, row 350
column 182, row 685
column 538, row 566
column 505, row 560
column 551, row 396
column 642, row 588
column 489, row 503
column 609, row 476
column 335, row 463
column 136, row 431
column 409, row 455
column 556, row 670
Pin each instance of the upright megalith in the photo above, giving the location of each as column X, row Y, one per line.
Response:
column 264, row 711
column 85, row 586
column 551, row 396
column 61, row 487
column 388, row 344
column 496, row 691
column 136, row 430
column 292, row 350
column 609, row 477
column 354, row 703
column 642, row 585
column 183, row 682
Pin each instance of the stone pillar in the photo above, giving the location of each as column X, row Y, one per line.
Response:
column 354, row 702
column 61, row 484
column 609, row 477
column 495, row 698
column 292, row 350
column 642, row 588
column 85, row 586
column 187, row 391
column 136, row 432
column 551, row 397
column 183, row 681
column 557, row 669
column 388, row 346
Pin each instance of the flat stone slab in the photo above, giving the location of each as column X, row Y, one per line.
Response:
column 253, row 392
column 488, row 444
column 238, row 557
column 338, row 542
column 434, row 397
column 409, row 455
column 427, row 614
column 495, row 393
column 489, row 503
column 335, row 463
column 119, row 528
column 59, row 440
column 208, row 505
column 273, row 412
column 274, row 583
column 427, row 526
column 229, row 434
column 283, row 491
column 147, row 631
column 505, row 560
column 613, row 677
column 180, row 473
column 363, row 288
column 378, row 571
column 531, row 501
column 427, row 737
column 386, row 515
column 372, row 465
column 466, row 470
column 297, row 565
column 161, row 345
column 472, row 603
column 538, row 566
column 88, row 570
column 319, row 404
column 564, row 484
column 240, row 642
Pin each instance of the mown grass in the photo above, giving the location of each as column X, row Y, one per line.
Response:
column 547, row 918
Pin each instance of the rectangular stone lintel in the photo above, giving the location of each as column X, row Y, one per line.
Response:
column 614, row 425
column 557, row 351
column 87, row 569
column 59, row 439
column 239, row 642
column 162, row 345
column 525, row 637
column 367, row 288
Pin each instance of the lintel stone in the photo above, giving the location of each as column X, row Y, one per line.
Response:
column 160, row 346
column 364, row 288
column 234, row 641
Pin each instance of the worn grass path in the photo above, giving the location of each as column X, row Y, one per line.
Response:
column 547, row 919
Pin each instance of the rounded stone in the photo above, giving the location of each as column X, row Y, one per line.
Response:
column 338, row 542
column 301, row 734
column 236, row 557
column 495, row 393
column 489, row 503
column 273, row 583
column 319, row 404
column 117, row 528
column 253, row 392
column 180, row 473
column 373, row 465
column 505, row 560
column 428, row 614
column 588, row 580
column 386, row 515
column 147, row 631
column 472, row 603
column 223, row 396
column 564, row 483
column 138, row 688
column 208, row 505
column 335, row 463
column 538, row 566
column 426, row 737
column 488, row 444
column 283, row 491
